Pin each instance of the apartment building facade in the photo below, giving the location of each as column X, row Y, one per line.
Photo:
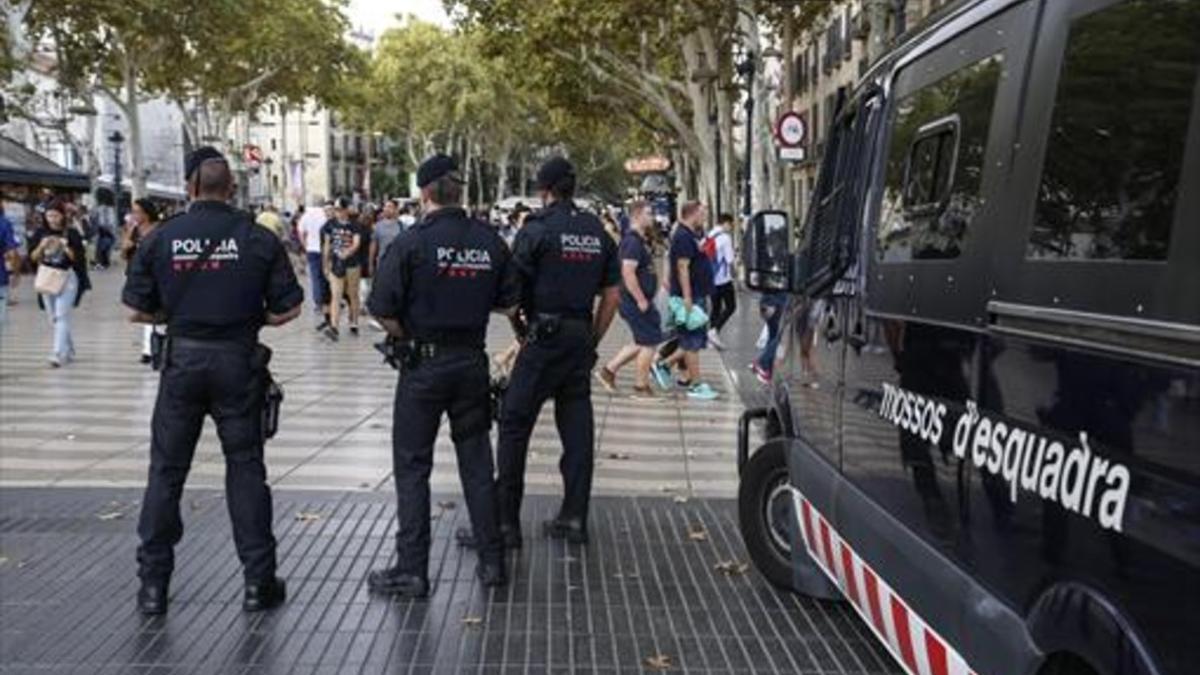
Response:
column 829, row 59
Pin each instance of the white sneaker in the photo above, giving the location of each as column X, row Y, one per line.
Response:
column 714, row 340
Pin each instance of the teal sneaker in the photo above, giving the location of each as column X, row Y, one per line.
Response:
column 702, row 392
column 661, row 375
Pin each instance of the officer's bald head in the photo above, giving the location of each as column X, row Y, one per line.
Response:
column 212, row 180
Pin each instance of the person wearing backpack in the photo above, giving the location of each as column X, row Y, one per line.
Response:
column 718, row 245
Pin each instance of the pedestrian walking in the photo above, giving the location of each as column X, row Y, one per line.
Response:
column 343, row 240
column 564, row 260
column 770, row 308
column 387, row 228
column 719, row 247
column 639, row 284
column 10, row 263
column 211, row 364
column 690, row 283
column 269, row 218
column 145, row 219
column 434, row 290
column 57, row 251
column 310, row 225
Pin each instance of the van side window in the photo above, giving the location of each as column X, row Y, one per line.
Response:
column 930, row 167
column 935, row 164
column 1115, row 152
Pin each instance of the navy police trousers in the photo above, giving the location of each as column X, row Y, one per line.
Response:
column 558, row 367
column 208, row 379
column 455, row 383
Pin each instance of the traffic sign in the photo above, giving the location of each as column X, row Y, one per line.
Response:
column 791, row 129
column 792, row 154
column 252, row 155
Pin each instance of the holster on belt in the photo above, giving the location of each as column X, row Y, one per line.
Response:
column 160, row 349
column 544, row 327
column 260, row 361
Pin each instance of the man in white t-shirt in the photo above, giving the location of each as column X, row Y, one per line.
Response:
column 314, row 218
column 724, row 297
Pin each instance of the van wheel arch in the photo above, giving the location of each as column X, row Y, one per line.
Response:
column 767, row 522
column 1081, row 629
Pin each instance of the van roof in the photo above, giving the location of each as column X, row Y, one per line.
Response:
column 945, row 24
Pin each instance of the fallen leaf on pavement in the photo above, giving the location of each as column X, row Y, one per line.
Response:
column 731, row 568
column 619, row 455
column 697, row 533
column 447, row 505
column 658, row 662
column 307, row 516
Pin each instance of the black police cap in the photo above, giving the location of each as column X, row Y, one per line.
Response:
column 436, row 167
column 199, row 156
column 552, row 171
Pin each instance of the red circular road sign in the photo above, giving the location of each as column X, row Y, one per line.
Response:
column 791, row 129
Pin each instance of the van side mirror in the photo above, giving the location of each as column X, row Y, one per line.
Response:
column 765, row 255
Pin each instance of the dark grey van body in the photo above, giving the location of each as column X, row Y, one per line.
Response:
column 990, row 405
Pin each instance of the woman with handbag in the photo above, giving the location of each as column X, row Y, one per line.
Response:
column 57, row 251
column 145, row 217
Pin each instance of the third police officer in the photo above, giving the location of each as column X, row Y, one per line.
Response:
column 435, row 287
column 564, row 260
column 215, row 278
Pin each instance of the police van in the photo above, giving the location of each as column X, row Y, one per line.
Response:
column 985, row 434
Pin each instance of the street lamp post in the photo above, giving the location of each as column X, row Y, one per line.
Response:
column 116, row 138
column 745, row 68
column 268, row 162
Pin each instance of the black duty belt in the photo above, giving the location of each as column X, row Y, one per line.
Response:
column 180, row 342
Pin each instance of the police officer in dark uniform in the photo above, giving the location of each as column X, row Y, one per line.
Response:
column 564, row 260
column 435, row 287
column 215, row 278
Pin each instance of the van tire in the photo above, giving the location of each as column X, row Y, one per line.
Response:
column 764, row 482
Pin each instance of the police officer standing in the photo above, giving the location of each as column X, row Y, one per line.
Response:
column 564, row 260
column 435, row 287
column 215, row 278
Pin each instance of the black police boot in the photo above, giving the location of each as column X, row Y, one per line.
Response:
column 491, row 574
column 394, row 581
column 265, row 595
column 152, row 598
column 510, row 535
column 571, row 529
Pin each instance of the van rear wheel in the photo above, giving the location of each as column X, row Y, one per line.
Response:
column 765, row 514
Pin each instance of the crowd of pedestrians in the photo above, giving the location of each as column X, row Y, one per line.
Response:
column 677, row 286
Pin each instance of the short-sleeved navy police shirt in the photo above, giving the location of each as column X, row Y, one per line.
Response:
column 564, row 258
column 441, row 279
column 633, row 248
column 685, row 245
column 247, row 275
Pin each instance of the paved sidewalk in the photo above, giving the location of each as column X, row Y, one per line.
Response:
column 663, row 586
column 89, row 424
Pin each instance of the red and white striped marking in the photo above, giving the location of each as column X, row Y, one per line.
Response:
column 913, row 643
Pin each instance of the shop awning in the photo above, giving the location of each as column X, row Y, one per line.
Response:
column 21, row 166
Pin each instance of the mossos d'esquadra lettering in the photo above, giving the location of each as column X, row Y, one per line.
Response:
column 1071, row 474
